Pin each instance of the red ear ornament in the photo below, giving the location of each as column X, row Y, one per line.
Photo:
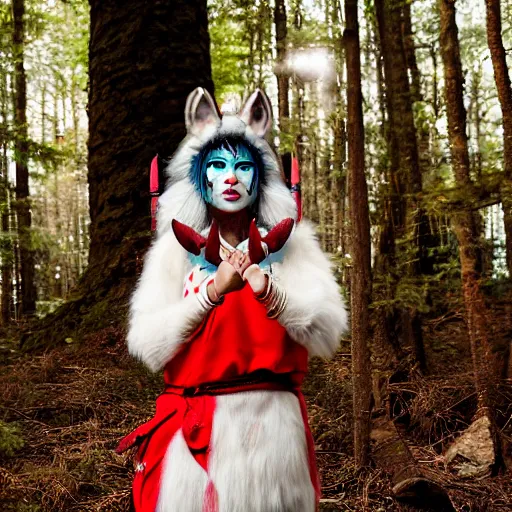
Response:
column 212, row 251
column 256, row 252
column 189, row 239
column 278, row 235
column 275, row 239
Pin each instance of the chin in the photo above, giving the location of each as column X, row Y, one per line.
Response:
column 231, row 208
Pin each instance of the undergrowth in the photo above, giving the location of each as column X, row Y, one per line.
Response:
column 64, row 411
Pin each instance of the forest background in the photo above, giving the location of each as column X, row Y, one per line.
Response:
column 399, row 114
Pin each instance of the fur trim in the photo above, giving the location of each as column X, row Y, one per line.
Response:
column 183, row 482
column 259, row 460
column 160, row 319
column 315, row 315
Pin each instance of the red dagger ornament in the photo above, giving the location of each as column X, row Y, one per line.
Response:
column 259, row 247
column 295, row 186
column 154, row 190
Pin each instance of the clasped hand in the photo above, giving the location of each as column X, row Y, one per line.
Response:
column 233, row 273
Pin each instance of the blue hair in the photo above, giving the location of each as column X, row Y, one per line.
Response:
column 235, row 146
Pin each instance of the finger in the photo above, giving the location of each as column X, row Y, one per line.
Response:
column 245, row 265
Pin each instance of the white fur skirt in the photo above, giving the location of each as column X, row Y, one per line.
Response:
column 258, row 460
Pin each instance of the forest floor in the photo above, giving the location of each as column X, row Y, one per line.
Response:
column 64, row 411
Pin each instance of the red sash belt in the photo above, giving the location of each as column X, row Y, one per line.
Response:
column 192, row 409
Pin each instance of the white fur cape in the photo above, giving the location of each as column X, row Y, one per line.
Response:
column 161, row 319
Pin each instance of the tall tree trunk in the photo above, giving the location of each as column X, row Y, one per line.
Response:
column 415, row 88
column 410, row 220
column 283, row 82
column 360, row 240
column 6, row 245
column 464, row 221
column 338, row 182
column 281, row 74
column 410, row 53
column 28, row 289
column 386, row 348
column 145, row 57
column 502, row 79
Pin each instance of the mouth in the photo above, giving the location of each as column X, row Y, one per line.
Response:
column 231, row 195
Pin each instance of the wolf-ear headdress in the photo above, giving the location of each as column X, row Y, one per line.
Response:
column 183, row 201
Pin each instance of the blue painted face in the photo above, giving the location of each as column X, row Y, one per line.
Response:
column 231, row 178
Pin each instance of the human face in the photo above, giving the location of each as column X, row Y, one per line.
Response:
column 230, row 179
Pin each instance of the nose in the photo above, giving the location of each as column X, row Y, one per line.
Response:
column 232, row 180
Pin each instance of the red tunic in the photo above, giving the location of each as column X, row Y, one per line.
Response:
column 234, row 340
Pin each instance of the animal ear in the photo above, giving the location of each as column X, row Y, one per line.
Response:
column 257, row 113
column 200, row 111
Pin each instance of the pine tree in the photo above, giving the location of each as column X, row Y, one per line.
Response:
column 464, row 220
column 24, row 216
column 360, row 240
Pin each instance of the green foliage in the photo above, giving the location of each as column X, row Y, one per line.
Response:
column 10, row 439
column 45, row 307
column 240, row 36
column 229, row 53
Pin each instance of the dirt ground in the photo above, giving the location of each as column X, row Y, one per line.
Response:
column 64, row 411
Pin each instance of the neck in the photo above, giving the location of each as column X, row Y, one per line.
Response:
column 233, row 226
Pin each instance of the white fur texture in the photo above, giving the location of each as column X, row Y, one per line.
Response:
column 183, row 481
column 160, row 319
column 258, row 463
column 315, row 315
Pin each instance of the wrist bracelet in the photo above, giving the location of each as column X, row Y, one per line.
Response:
column 218, row 299
column 273, row 298
column 263, row 295
column 204, row 300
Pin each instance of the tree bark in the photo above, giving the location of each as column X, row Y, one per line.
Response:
column 28, row 289
column 463, row 221
column 282, row 76
column 145, row 57
column 386, row 348
column 502, row 79
column 409, row 219
column 338, row 182
column 283, row 81
column 361, row 280
column 6, row 245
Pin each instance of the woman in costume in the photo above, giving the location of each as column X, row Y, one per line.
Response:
column 233, row 299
